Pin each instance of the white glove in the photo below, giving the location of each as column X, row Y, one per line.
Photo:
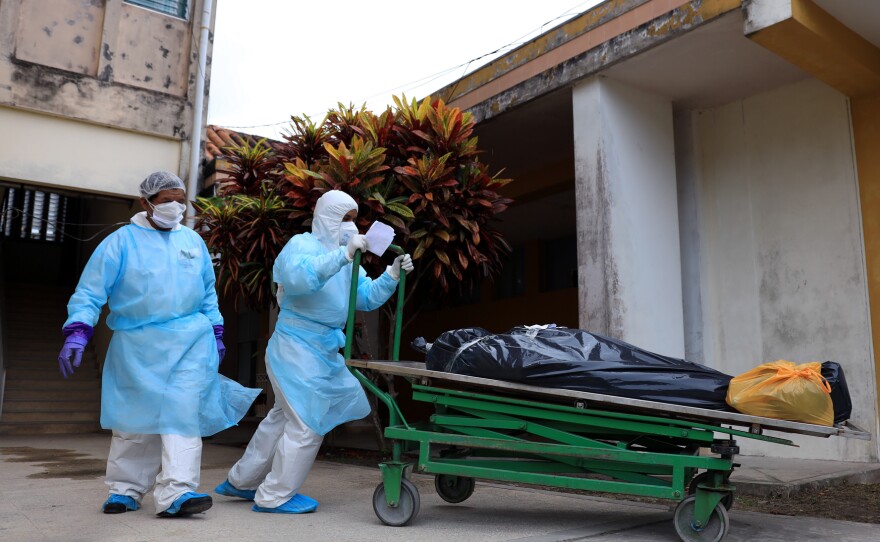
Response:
column 357, row 242
column 404, row 262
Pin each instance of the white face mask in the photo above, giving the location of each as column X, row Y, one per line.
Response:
column 346, row 231
column 168, row 215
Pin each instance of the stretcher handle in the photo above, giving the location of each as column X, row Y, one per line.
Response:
column 352, row 301
column 395, row 416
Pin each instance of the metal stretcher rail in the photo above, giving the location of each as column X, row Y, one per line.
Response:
column 755, row 424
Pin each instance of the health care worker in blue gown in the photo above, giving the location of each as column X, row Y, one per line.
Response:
column 161, row 391
column 314, row 390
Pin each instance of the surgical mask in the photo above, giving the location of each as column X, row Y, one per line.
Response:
column 346, row 231
column 168, row 215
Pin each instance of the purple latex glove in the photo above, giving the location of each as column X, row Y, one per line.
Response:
column 218, row 336
column 77, row 336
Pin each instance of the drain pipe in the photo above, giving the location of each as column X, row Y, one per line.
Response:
column 198, row 108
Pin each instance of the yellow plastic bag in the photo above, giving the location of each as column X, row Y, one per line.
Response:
column 785, row 391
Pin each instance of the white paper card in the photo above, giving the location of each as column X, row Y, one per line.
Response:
column 379, row 237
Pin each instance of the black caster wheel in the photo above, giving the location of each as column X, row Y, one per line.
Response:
column 454, row 489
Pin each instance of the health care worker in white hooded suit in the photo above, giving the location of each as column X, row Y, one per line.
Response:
column 314, row 390
column 160, row 391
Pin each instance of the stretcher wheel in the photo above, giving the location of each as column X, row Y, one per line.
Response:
column 726, row 501
column 454, row 489
column 713, row 531
column 407, row 506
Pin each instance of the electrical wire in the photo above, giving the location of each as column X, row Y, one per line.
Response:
column 14, row 212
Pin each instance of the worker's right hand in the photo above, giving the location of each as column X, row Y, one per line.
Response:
column 71, row 351
column 357, row 242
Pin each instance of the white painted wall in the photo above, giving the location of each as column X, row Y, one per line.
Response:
column 780, row 249
column 79, row 156
column 688, row 169
column 629, row 261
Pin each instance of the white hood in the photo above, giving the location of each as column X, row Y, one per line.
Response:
column 329, row 211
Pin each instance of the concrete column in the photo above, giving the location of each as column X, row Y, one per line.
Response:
column 629, row 280
column 693, row 277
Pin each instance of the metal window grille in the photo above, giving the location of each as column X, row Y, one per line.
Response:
column 176, row 8
column 52, row 218
column 7, row 215
column 33, row 214
column 37, row 214
column 26, row 216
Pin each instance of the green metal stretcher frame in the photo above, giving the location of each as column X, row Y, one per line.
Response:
column 503, row 438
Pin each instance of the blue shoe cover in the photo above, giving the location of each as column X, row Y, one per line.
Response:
column 118, row 504
column 298, row 504
column 230, row 490
column 187, row 504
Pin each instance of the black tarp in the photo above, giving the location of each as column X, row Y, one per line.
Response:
column 559, row 357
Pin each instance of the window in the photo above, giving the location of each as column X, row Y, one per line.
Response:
column 512, row 282
column 175, row 8
column 560, row 264
column 469, row 296
column 33, row 214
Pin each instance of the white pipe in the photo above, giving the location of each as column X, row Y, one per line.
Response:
column 198, row 106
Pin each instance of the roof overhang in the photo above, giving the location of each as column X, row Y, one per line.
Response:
column 695, row 52
column 588, row 44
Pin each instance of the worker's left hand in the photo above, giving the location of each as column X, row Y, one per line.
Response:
column 218, row 336
column 221, row 349
column 404, row 262
column 72, row 351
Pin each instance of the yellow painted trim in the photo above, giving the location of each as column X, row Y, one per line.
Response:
column 530, row 51
column 819, row 44
column 866, row 134
column 474, row 89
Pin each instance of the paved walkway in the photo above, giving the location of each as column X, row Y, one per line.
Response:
column 51, row 490
column 763, row 476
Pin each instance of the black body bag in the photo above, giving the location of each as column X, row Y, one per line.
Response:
column 559, row 357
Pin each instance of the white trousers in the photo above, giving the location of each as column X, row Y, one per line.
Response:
column 138, row 462
column 279, row 456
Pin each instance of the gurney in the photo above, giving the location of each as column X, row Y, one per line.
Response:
column 509, row 432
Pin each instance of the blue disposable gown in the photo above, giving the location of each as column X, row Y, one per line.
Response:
column 160, row 374
column 303, row 353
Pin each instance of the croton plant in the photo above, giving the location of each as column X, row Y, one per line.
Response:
column 414, row 166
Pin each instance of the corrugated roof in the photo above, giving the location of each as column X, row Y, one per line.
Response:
column 219, row 137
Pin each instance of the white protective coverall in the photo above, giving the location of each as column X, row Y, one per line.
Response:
column 161, row 391
column 314, row 390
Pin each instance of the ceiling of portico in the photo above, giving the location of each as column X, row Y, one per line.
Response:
column 708, row 67
column 861, row 16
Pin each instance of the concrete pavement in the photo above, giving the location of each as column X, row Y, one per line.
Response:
column 51, row 489
column 766, row 476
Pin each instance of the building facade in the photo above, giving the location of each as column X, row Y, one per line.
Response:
column 712, row 165
column 94, row 95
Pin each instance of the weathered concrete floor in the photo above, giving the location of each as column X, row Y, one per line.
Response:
column 60, row 502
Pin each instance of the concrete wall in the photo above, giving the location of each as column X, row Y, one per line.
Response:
column 866, row 133
column 781, row 253
column 54, row 151
column 101, row 62
column 68, row 38
column 3, row 332
column 629, row 263
column 151, row 51
column 688, row 169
